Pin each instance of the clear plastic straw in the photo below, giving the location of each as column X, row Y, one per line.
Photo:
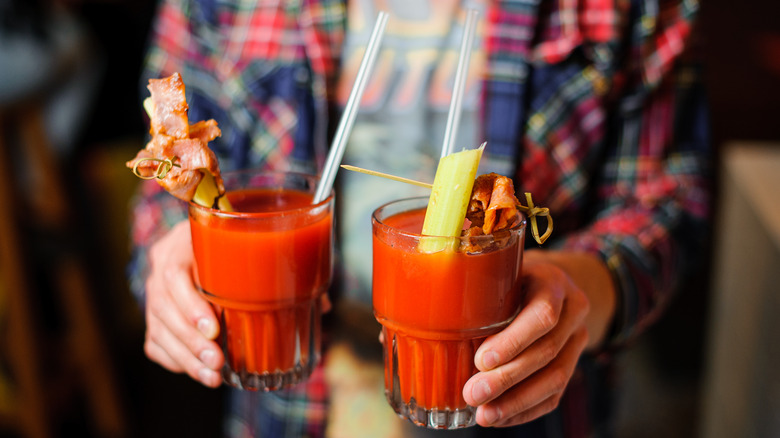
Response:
column 350, row 110
column 456, row 103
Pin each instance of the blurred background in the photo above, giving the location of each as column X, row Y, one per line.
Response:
column 71, row 336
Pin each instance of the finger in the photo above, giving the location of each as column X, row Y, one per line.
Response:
column 485, row 386
column 158, row 354
column 539, row 315
column 488, row 385
column 164, row 316
column 183, row 358
column 195, row 309
column 529, row 397
column 543, row 408
column 172, row 261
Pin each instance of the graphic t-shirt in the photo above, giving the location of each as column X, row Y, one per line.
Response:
column 401, row 120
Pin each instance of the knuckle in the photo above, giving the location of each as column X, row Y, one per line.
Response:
column 193, row 368
column 555, row 400
column 195, row 344
column 583, row 302
column 549, row 405
column 504, row 379
column 152, row 337
column 582, row 337
column 546, row 315
column 154, row 310
column 548, row 351
column 558, row 379
column 511, row 345
column 150, row 349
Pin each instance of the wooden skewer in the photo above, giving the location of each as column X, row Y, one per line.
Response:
column 388, row 176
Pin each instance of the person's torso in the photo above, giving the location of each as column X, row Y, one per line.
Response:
column 401, row 120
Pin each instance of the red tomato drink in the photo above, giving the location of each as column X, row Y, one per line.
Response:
column 264, row 268
column 436, row 309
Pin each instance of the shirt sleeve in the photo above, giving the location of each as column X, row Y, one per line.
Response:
column 616, row 144
column 653, row 203
column 651, row 200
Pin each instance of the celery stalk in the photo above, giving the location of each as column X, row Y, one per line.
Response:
column 449, row 200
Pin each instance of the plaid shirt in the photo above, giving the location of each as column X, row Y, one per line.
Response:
column 591, row 102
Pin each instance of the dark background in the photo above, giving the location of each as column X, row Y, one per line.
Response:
column 740, row 46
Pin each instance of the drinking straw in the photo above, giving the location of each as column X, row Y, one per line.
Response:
column 456, row 102
column 350, row 111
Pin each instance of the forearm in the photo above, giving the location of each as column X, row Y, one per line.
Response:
column 590, row 273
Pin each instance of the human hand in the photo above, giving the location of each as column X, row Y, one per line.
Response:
column 180, row 323
column 525, row 368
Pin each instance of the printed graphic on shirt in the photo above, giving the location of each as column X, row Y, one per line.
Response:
column 402, row 117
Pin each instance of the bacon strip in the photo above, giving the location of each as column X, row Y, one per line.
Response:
column 502, row 211
column 174, row 139
column 493, row 204
column 169, row 113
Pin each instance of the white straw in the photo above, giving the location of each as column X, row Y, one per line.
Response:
column 350, row 110
column 456, row 103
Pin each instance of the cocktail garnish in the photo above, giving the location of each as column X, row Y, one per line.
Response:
column 178, row 156
column 449, row 199
column 479, row 202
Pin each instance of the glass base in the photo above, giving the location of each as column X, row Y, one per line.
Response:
column 266, row 381
column 434, row 418
column 267, row 350
column 424, row 379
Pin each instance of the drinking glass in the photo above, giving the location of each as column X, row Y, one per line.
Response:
column 437, row 308
column 264, row 268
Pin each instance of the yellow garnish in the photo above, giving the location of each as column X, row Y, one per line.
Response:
column 449, row 200
column 208, row 195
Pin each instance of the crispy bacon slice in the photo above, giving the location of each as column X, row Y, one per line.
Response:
column 169, row 113
column 493, row 205
column 174, row 139
column 205, row 130
column 468, row 244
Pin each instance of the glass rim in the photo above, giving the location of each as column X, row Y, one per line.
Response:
column 267, row 214
column 520, row 226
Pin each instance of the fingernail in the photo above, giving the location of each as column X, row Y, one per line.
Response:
column 490, row 414
column 207, row 328
column 209, row 358
column 489, row 359
column 206, row 376
column 480, row 392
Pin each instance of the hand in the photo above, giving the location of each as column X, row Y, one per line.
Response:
column 180, row 324
column 525, row 368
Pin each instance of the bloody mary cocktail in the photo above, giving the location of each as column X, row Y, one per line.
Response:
column 264, row 268
column 436, row 309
